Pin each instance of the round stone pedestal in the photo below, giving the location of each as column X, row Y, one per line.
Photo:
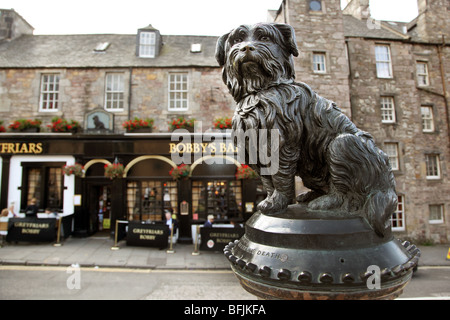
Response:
column 317, row 255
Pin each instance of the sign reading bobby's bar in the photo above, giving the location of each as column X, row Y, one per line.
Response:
column 31, row 229
column 215, row 239
column 147, row 235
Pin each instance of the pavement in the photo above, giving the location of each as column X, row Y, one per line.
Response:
column 96, row 252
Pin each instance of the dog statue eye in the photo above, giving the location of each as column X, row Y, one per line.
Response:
column 237, row 40
column 264, row 38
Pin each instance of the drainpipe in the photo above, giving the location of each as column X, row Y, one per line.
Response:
column 444, row 86
column 129, row 92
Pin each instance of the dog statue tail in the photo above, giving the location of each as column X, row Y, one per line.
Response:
column 379, row 208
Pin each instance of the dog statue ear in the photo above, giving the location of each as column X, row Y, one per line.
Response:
column 289, row 35
column 220, row 49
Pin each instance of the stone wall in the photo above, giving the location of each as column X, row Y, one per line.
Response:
column 366, row 91
column 83, row 90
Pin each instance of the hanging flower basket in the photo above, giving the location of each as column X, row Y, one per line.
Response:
column 115, row 170
column 138, row 125
column 245, row 172
column 76, row 169
column 180, row 172
column 222, row 123
column 63, row 125
column 182, row 123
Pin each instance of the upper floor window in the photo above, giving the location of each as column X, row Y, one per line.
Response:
column 433, row 170
column 178, row 91
column 315, row 5
column 422, row 74
column 319, row 64
column 147, row 44
column 383, row 60
column 387, row 110
column 392, row 152
column 427, row 118
column 49, row 99
column 114, row 92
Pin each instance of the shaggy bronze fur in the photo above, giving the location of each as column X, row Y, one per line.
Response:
column 341, row 165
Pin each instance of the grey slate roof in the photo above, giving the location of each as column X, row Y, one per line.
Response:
column 77, row 51
column 385, row 30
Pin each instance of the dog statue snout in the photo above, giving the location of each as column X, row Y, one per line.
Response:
column 247, row 47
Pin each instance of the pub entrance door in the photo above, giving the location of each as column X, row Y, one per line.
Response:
column 99, row 208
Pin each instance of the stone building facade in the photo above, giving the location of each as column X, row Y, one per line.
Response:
column 395, row 78
column 392, row 79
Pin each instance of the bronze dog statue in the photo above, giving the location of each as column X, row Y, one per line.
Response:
column 341, row 165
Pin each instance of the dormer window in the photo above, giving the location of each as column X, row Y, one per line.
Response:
column 148, row 42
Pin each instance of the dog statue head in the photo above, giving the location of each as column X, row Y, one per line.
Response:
column 257, row 57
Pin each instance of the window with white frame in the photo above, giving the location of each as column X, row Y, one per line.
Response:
column 427, row 118
column 398, row 217
column 49, row 99
column 178, row 91
column 147, row 44
column 387, row 110
column 383, row 61
column 436, row 213
column 319, row 62
column 391, row 150
column 422, row 73
column 114, row 92
column 433, row 170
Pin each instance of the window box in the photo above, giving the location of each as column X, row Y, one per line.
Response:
column 26, row 125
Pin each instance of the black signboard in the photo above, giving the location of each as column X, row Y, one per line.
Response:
column 147, row 235
column 215, row 239
column 31, row 229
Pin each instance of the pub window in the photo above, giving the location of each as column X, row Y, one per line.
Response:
column 432, row 166
column 114, row 92
column 436, row 213
column 148, row 200
column 387, row 110
column 49, row 97
column 422, row 73
column 383, row 61
column 398, row 217
column 220, row 198
column 319, row 64
column 178, row 91
column 391, row 150
column 44, row 182
column 427, row 118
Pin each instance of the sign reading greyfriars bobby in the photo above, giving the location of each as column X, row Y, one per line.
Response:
column 147, row 234
column 31, row 229
column 342, row 225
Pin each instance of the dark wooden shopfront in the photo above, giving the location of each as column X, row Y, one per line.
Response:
column 146, row 190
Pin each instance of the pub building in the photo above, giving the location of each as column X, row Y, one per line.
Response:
column 96, row 83
column 32, row 167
